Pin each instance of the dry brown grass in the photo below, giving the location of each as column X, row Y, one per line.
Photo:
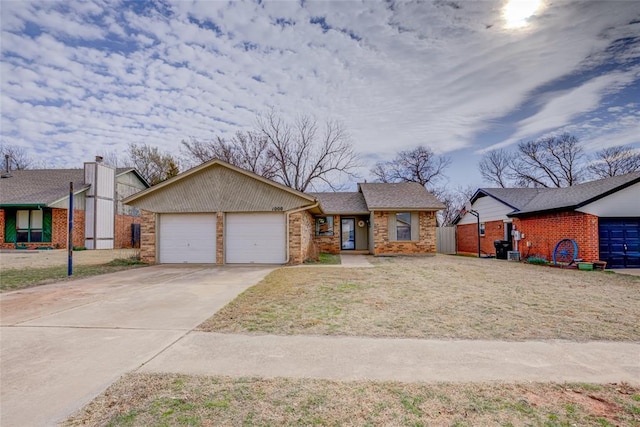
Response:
column 439, row 297
column 146, row 399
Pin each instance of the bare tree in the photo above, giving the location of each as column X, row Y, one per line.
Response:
column 304, row 155
column 549, row 162
column 18, row 157
column 614, row 161
column 419, row 165
column 203, row 151
column 155, row 166
column 454, row 200
column 496, row 167
column 248, row 150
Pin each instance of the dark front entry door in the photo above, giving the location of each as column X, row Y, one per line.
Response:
column 348, row 234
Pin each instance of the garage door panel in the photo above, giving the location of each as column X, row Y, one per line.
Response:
column 187, row 238
column 615, row 234
column 255, row 238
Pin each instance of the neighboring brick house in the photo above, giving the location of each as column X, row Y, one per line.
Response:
column 34, row 207
column 602, row 217
column 217, row 213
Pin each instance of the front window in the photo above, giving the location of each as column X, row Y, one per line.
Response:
column 482, row 228
column 29, row 226
column 403, row 226
column 324, row 226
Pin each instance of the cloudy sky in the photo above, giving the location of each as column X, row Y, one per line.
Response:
column 85, row 78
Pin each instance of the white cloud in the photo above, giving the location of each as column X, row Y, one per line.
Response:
column 414, row 73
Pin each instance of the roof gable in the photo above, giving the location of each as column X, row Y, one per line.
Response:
column 399, row 196
column 578, row 195
column 217, row 186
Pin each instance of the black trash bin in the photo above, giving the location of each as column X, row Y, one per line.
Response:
column 502, row 247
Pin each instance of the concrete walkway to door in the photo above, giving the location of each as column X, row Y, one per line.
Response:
column 62, row 344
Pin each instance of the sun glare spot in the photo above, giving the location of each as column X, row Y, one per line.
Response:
column 517, row 12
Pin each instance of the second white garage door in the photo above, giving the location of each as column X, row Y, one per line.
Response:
column 187, row 238
column 255, row 238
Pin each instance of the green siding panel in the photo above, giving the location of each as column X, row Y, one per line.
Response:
column 47, row 225
column 10, row 226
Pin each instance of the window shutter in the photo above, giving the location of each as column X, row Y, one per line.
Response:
column 9, row 226
column 393, row 235
column 47, row 223
column 415, row 225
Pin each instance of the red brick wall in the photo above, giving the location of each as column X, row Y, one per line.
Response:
column 122, row 232
column 59, row 230
column 59, row 233
column 543, row 232
column 467, row 237
column 148, row 237
column 425, row 245
column 328, row 244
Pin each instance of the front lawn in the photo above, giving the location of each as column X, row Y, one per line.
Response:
column 147, row 399
column 439, row 297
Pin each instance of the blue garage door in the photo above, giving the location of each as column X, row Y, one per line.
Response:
column 620, row 242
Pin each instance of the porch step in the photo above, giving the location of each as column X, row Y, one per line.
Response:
column 354, row 252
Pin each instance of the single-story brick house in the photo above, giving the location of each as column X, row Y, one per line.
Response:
column 34, row 207
column 602, row 216
column 220, row 214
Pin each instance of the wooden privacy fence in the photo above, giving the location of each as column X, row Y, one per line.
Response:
column 446, row 240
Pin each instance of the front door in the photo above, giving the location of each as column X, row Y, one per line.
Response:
column 348, row 234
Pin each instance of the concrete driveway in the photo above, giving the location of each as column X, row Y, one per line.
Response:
column 63, row 344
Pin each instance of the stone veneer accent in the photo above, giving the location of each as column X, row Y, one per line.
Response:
column 148, row 237
column 301, row 244
column 328, row 244
column 220, row 238
column 425, row 245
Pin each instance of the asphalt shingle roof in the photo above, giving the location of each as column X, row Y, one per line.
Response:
column 531, row 200
column 405, row 195
column 39, row 186
column 341, row 203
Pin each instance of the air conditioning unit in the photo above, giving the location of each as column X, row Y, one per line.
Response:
column 513, row 255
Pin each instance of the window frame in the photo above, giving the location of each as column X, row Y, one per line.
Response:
column 30, row 231
column 483, row 230
column 406, row 227
column 322, row 220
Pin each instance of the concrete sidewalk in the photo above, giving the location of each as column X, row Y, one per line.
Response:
column 407, row 360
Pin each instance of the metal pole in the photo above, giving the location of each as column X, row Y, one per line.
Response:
column 477, row 215
column 478, row 219
column 70, row 242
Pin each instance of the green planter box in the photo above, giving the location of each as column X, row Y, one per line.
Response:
column 588, row 266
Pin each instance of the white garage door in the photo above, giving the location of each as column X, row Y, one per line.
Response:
column 255, row 238
column 187, row 238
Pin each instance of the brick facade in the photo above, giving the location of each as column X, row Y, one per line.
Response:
column 543, row 232
column 122, row 232
column 467, row 237
column 328, row 244
column 301, row 242
column 425, row 245
column 59, row 230
column 148, row 237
